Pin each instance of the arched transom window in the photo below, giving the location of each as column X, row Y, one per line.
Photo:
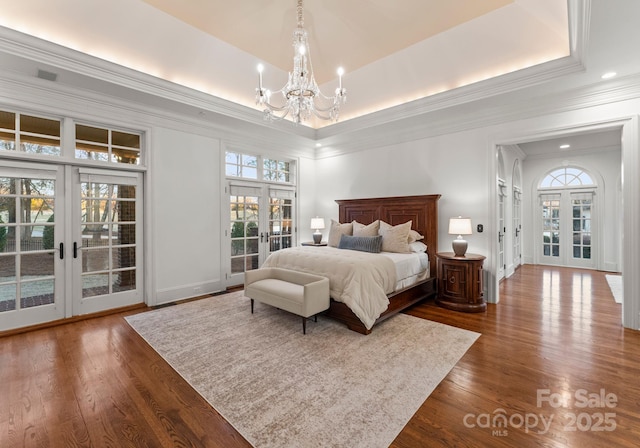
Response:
column 566, row 177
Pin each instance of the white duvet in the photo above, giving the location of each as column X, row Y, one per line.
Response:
column 361, row 280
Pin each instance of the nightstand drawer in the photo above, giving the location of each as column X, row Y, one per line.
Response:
column 454, row 280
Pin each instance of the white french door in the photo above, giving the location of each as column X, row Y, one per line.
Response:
column 569, row 233
column 517, row 228
column 501, row 229
column 260, row 222
column 32, row 253
column 107, row 240
column 70, row 242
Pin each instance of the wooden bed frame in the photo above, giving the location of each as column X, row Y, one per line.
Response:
column 423, row 212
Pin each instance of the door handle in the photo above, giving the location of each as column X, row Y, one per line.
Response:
column 75, row 250
column 62, row 251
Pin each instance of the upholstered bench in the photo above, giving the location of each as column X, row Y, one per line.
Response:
column 296, row 292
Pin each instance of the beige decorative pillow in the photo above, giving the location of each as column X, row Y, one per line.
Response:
column 395, row 238
column 368, row 230
column 336, row 230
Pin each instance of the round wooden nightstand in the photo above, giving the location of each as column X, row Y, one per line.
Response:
column 460, row 285
column 311, row 243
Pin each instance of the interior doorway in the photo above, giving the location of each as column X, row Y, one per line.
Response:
column 623, row 135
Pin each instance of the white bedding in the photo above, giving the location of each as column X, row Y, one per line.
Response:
column 410, row 268
column 361, row 280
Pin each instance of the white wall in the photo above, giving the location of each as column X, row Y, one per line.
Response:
column 455, row 166
column 185, row 194
column 307, row 203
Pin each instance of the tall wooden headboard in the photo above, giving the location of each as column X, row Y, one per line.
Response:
column 421, row 210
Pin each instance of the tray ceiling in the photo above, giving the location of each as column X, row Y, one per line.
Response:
column 393, row 52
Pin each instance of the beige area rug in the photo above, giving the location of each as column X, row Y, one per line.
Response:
column 279, row 388
column 615, row 284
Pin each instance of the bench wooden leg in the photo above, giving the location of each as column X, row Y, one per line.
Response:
column 251, row 306
column 304, row 325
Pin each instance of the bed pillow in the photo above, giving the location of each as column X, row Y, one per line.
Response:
column 365, row 230
column 417, row 246
column 395, row 238
column 337, row 230
column 371, row 244
column 414, row 236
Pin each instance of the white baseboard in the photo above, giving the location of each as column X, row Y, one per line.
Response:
column 186, row 291
column 610, row 267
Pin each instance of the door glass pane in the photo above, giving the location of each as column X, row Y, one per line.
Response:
column 280, row 223
column 95, row 259
column 27, row 269
column 581, row 228
column 251, row 263
column 252, row 246
column 7, row 283
column 551, row 228
column 36, row 293
column 108, row 249
column 245, row 238
column 124, row 257
column 124, row 280
column 95, row 285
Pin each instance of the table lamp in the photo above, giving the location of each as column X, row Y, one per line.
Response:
column 317, row 224
column 459, row 226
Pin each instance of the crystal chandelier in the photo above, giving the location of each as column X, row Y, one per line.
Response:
column 300, row 97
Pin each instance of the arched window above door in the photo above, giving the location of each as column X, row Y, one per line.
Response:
column 566, row 177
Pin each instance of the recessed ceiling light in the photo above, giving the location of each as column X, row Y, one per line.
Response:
column 318, row 145
column 609, row 75
column 565, row 146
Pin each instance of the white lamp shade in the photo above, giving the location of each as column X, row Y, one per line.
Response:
column 460, row 226
column 317, row 223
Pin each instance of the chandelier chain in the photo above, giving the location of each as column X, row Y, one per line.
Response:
column 300, row 17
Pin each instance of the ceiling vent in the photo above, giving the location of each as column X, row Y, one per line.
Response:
column 49, row 76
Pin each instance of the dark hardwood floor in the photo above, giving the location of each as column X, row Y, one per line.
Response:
column 556, row 334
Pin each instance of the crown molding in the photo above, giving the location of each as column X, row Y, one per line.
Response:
column 497, row 110
column 488, row 88
column 44, row 52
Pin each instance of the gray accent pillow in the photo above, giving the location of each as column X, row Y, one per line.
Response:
column 371, row 244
